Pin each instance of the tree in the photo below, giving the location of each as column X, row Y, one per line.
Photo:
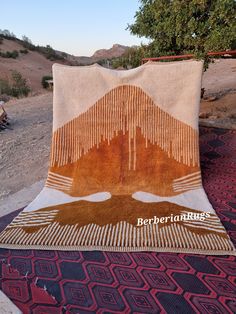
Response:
column 175, row 27
column 50, row 53
column 26, row 39
column 27, row 43
column 6, row 33
column 44, row 80
column 130, row 59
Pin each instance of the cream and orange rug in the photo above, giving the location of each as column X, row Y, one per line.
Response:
column 124, row 169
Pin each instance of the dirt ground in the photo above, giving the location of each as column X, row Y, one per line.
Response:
column 219, row 113
column 220, row 77
column 24, row 150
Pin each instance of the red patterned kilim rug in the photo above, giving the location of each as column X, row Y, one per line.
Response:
column 141, row 282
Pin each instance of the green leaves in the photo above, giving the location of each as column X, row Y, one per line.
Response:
column 193, row 26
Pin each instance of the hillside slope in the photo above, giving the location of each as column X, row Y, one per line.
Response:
column 115, row 51
column 33, row 65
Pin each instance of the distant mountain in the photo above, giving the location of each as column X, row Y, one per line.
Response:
column 76, row 60
column 115, row 51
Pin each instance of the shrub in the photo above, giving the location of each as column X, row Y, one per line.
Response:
column 25, row 51
column 7, row 34
column 10, row 54
column 19, row 85
column 5, row 87
column 44, row 80
column 14, row 54
column 27, row 43
column 50, row 53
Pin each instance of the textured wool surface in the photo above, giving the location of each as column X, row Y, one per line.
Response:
column 124, row 169
column 139, row 282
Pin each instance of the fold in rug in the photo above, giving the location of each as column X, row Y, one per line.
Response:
column 124, row 169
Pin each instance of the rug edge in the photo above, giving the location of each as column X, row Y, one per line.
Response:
column 119, row 249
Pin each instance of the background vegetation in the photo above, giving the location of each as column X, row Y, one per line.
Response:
column 16, row 86
column 44, row 80
column 47, row 51
column 176, row 27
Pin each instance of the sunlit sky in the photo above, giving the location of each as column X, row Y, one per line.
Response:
column 79, row 27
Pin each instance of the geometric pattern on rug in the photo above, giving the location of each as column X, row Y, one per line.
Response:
column 144, row 282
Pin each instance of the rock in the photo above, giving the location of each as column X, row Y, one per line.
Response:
column 214, row 117
column 210, row 98
column 204, row 115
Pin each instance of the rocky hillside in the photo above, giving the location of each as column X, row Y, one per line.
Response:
column 34, row 64
column 114, row 52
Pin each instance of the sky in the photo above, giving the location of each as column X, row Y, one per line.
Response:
column 78, row 27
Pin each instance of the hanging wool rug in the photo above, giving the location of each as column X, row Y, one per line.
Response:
column 124, row 171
